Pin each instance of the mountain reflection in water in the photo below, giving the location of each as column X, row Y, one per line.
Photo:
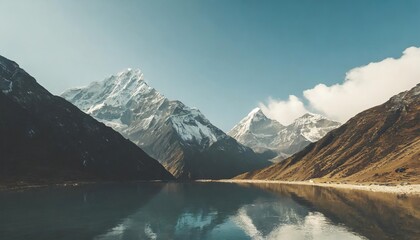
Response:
column 206, row 211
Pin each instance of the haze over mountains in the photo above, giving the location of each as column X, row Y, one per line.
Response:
column 381, row 144
column 180, row 137
column 44, row 139
column 260, row 133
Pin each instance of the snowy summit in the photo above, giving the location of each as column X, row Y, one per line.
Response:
column 260, row 133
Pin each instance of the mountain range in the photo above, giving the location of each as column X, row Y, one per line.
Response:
column 262, row 134
column 44, row 139
column 381, row 144
column 180, row 137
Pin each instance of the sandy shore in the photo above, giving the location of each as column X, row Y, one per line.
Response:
column 413, row 189
column 409, row 189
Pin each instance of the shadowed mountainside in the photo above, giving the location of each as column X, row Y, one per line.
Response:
column 44, row 138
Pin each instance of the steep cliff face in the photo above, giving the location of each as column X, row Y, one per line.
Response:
column 44, row 138
column 381, row 144
column 180, row 137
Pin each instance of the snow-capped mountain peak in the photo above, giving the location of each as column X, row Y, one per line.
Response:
column 256, row 112
column 308, row 118
column 313, row 126
column 255, row 117
column 256, row 130
column 124, row 98
column 115, row 91
column 168, row 130
column 261, row 133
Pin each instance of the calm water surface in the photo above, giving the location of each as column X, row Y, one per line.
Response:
column 205, row 211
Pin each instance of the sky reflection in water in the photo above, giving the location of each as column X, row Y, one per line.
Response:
column 206, row 211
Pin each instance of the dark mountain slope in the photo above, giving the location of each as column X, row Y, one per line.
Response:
column 44, row 138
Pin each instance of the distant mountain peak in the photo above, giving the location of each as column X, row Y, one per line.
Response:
column 116, row 91
column 256, row 130
column 309, row 118
column 311, row 115
column 256, row 111
column 259, row 132
column 256, row 115
column 313, row 126
column 135, row 74
column 253, row 120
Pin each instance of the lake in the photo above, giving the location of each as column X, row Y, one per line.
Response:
column 205, row 211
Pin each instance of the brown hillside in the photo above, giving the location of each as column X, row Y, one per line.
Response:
column 381, row 144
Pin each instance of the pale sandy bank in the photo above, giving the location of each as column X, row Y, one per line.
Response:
column 395, row 189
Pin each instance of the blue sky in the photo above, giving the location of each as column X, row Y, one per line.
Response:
column 224, row 57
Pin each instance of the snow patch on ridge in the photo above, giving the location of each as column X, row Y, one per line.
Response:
column 191, row 130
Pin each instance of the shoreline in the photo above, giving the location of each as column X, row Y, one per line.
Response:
column 409, row 189
column 12, row 187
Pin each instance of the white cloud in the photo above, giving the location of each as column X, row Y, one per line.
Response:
column 363, row 87
column 284, row 111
